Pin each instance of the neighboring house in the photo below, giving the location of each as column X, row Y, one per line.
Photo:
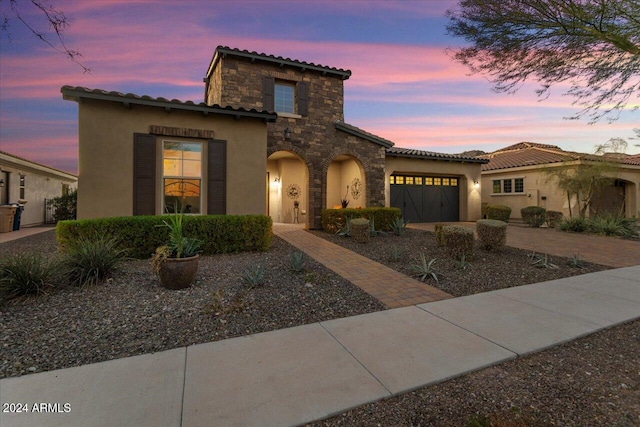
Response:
column 289, row 152
column 516, row 177
column 24, row 181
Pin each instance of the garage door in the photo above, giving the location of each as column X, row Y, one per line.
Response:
column 426, row 198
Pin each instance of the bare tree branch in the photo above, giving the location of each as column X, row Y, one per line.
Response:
column 592, row 45
column 57, row 20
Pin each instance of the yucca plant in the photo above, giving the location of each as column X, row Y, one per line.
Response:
column 296, row 260
column 253, row 276
column 612, row 225
column 395, row 253
column 26, row 274
column 90, row 260
column 398, row 225
column 424, row 269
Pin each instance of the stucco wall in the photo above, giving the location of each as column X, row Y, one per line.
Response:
column 106, row 130
column 40, row 184
column 539, row 190
column 470, row 201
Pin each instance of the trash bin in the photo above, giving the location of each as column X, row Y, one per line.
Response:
column 17, row 215
column 6, row 218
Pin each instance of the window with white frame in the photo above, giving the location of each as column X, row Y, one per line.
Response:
column 508, row 186
column 284, row 98
column 182, row 176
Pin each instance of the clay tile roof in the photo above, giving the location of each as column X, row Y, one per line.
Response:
column 430, row 155
column 225, row 50
column 75, row 93
column 530, row 154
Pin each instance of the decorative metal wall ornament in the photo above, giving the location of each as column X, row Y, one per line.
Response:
column 294, row 191
column 356, row 188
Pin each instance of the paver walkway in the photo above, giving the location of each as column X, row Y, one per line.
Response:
column 388, row 286
column 609, row 251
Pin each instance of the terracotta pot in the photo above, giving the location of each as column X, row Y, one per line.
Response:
column 178, row 273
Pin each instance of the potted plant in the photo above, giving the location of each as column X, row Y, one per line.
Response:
column 176, row 263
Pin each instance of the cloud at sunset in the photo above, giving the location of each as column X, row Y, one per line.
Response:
column 404, row 85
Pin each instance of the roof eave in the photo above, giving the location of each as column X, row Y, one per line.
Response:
column 440, row 158
column 71, row 94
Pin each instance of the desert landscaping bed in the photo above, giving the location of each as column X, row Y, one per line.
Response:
column 132, row 314
column 485, row 271
column 592, row 381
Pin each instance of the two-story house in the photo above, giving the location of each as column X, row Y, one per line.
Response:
column 270, row 138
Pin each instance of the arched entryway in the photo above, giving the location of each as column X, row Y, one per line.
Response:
column 287, row 188
column 346, row 181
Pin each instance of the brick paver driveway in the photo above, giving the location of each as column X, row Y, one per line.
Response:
column 610, row 251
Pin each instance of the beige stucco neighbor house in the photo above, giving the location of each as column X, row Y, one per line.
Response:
column 515, row 176
column 288, row 151
column 24, row 181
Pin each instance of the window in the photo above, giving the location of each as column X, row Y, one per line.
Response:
column 519, row 185
column 22, row 182
column 409, row 180
column 508, row 186
column 65, row 189
column 284, row 98
column 182, row 176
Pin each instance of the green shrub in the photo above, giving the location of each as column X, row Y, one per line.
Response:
column 554, row 218
column 458, row 241
column 334, row 220
column 612, row 225
column 576, row 225
column 65, row 207
column 534, row 216
column 491, row 233
column 26, row 274
column 140, row 235
column 437, row 229
column 499, row 212
column 88, row 261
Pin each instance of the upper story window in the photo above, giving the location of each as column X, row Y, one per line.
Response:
column 508, row 186
column 284, row 98
column 182, row 176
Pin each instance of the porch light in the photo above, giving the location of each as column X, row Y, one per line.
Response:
column 287, row 134
column 476, row 183
column 277, row 179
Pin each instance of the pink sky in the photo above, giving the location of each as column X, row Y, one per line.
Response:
column 404, row 86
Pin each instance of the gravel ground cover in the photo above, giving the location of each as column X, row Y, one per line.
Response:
column 132, row 314
column 486, row 271
column 592, row 381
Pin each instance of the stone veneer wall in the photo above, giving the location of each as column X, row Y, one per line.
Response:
column 313, row 137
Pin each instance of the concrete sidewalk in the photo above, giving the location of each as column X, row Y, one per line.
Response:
column 24, row 232
column 293, row 376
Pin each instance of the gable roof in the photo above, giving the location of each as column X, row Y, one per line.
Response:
column 17, row 160
column 532, row 154
column 72, row 93
column 352, row 130
column 392, row 151
column 223, row 51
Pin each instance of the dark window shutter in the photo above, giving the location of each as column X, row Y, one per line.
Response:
column 303, row 98
column 144, row 174
column 217, row 177
column 268, row 90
